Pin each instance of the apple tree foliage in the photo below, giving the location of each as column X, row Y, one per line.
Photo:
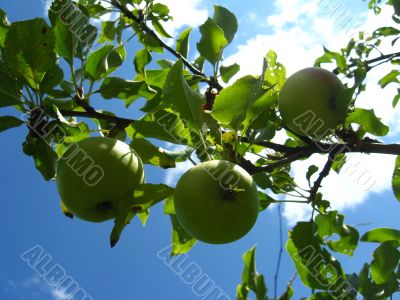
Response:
column 52, row 70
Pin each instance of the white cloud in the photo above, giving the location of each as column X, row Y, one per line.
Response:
column 60, row 294
column 363, row 175
column 299, row 30
column 47, row 4
column 185, row 13
column 34, row 285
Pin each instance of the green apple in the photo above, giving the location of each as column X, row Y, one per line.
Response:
column 309, row 104
column 216, row 202
column 95, row 175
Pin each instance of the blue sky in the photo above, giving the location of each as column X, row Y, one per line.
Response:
column 31, row 215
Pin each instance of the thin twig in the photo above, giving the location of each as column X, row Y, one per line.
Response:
column 367, row 63
column 278, row 265
column 143, row 26
column 317, row 184
column 269, row 168
column 96, row 115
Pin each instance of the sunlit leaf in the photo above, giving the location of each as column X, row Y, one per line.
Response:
column 317, row 269
column 212, row 41
column 380, row 235
column 4, row 27
column 161, row 125
column 97, row 65
column 385, row 261
column 231, row 104
column 181, row 241
column 182, row 98
column 368, row 120
column 227, row 72
column 226, row 20
column 142, row 59
column 28, row 50
column 182, row 44
column 151, row 154
column 43, row 154
column 251, row 280
column 331, row 224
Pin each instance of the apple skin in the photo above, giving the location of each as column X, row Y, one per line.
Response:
column 93, row 190
column 309, row 104
column 211, row 213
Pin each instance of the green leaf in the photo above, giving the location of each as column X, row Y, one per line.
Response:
column 367, row 287
column 156, row 78
column 232, row 103
column 332, row 223
column 142, row 59
column 265, row 200
column 114, row 87
column 10, row 88
column 287, row 295
column 249, row 270
column 151, row 154
column 115, row 59
column 226, row 21
column 396, row 178
column 368, row 120
column 169, row 208
column 242, row 292
column 261, row 288
column 4, row 27
column 108, row 31
column 274, row 73
column 43, row 154
column 251, row 280
column 389, row 78
column 124, row 215
column 396, row 99
column 385, row 260
column 317, row 269
column 77, row 34
column 310, row 172
column 182, row 44
column 161, row 125
column 260, row 110
column 28, row 50
column 161, row 10
column 338, row 162
column 330, row 56
column 212, row 41
column 396, row 6
column 97, row 66
column 145, row 195
column 148, row 194
column 228, row 72
column 65, row 45
column 53, row 77
column 160, row 29
column 181, row 241
column 8, row 122
column 380, row 235
column 182, row 98
column 95, row 10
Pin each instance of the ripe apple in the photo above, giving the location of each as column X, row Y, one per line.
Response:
column 309, row 104
column 216, row 202
column 95, row 175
